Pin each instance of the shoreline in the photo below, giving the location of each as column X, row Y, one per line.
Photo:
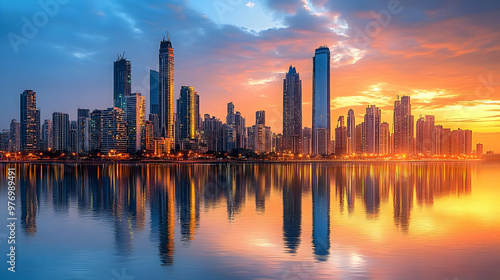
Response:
column 172, row 162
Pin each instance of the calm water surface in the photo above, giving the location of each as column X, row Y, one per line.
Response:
column 262, row 221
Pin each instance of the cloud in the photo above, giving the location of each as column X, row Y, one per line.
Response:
column 250, row 4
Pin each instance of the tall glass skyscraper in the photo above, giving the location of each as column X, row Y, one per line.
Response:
column 30, row 130
column 403, row 126
column 186, row 108
column 122, row 81
column 351, row 132
column 292, row 111
column 153, row 92
column 166, row 89
column 321, row 101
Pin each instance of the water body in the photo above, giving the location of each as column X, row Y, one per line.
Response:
column 417, row 220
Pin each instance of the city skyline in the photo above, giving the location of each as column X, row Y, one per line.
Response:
column 461, row 100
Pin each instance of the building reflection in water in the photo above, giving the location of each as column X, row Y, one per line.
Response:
column 291, row 181
column 125, row 193
column 321, row 212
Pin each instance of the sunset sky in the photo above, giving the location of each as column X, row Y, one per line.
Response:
column 444, row 54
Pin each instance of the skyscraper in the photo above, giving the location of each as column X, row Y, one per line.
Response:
column 321, row 101
column 47, row 139
column 83, row 134
column 372, row 130
column 60, row 131
column 166, row 89
column 351, row 132
column 341, row 137
column 385, row 139
column 122, row 81
column 153, row 92
column 235, row 127
column 73, row 136
column 403, row 126
column 28, row 115
column 186, row 113
column 114, row 130
column 15, row 136
column 95, row 130
column 292, row 111
column 135, row 116
column 260, row 117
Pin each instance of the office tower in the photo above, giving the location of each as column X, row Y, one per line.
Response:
column 236, row 126
column 262, row 135
column 321, row 101
column 37, row 128
column 385, row 139
column 229, row 137
column 403, row 126
column 260, row 117
column 95, row 130
column 135, row 116
column 187, row 118
column 83, row 142
column 419, row 137
column 28, row 116
column 446, row 142
column 479, row 150
column 212, row 133
column 467, row 142
column 425, row 137
column 15, row 136
column 47, row 139
column 166, row 89
column 351, row 132
column 155, row 120
column 153, row 92
column 292, row 111
column 307, row 140
column 360, row 147
column 278, row 145
column 251, row 138
column 438, row 140
column 341, row 137
column 147, row 143
column 430, row 139
column 60, row 131
column 4, row 140
column 372, row 130
column 122, row 81
column 73, row 137
column 114, row 130
column 197, row 117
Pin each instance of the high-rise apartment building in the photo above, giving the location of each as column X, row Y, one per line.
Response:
column 60, row 131
column 83, row 134
column 29, row 128
column 114, row 130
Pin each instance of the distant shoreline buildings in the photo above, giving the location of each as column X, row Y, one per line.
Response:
column 123, row 128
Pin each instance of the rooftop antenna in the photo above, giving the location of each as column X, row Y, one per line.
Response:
column 168, row 36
